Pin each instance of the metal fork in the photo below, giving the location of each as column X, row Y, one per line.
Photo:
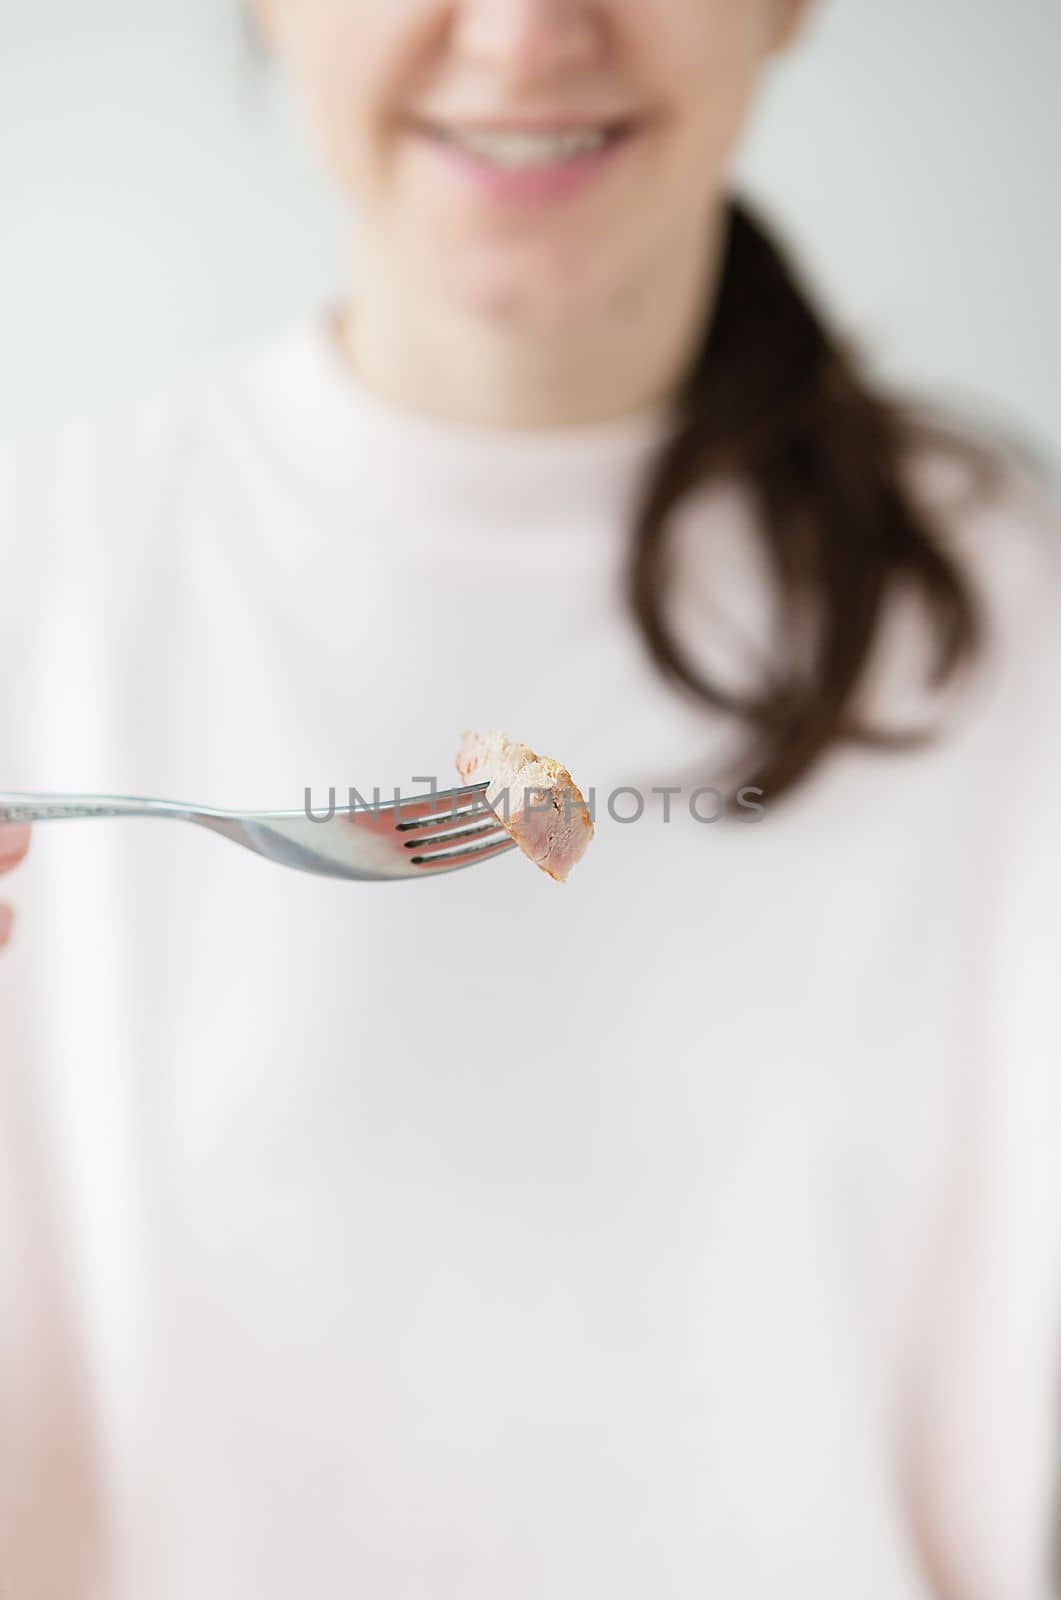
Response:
column 410, row 838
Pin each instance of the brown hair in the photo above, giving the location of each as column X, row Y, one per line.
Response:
column 774, row 400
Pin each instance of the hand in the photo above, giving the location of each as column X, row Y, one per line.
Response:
column 14, row 842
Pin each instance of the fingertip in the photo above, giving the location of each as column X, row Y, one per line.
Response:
column 14, row 842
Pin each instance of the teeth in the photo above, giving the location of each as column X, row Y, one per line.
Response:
column 525, row 149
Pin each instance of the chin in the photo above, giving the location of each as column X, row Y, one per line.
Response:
column 538, row 294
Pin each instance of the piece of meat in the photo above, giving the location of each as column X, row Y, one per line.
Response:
column 535, row 798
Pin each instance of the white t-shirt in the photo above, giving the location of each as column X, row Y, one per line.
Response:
column 690, row 1229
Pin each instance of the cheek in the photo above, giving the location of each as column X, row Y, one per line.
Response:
column 704, row 58
column 337, row 58
column 713, row 79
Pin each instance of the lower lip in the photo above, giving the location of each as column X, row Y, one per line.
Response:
column 528, row 185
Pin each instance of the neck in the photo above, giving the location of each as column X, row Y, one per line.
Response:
column 628, row 355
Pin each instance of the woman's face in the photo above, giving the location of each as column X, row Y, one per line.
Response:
column 527, row 156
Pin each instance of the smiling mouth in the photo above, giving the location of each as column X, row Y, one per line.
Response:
column 521, row 149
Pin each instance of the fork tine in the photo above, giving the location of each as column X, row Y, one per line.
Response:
column 452, row 806
column 478, row 832
column 447, row 860
column 449, row 822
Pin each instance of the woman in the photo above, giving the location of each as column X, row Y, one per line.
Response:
column 692, row 1229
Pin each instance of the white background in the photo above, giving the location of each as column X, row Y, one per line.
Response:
column 158, row 203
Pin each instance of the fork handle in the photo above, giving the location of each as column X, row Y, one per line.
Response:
column 19, row 808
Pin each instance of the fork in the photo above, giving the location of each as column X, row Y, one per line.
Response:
column 409, row 838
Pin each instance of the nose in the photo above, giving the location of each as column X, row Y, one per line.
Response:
column 530, row 39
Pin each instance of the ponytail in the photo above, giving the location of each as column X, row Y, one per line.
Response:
column 775, row 400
